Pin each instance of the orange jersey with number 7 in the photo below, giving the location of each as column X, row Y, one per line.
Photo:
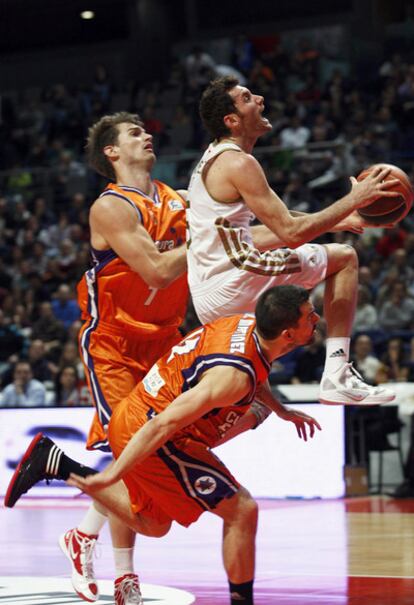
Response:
column 117, row 297
column 129, row 325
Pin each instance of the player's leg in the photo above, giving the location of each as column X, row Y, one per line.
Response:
column 110, row 376
column 341, row 384
column 338, row 265
column 239, row 514
column 185, row 478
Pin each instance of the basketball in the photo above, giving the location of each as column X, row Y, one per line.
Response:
column 386, row 210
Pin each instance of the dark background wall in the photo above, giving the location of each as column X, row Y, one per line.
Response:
column 134, row 37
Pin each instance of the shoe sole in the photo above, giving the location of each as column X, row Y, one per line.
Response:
column 16, row 473
column 63, row 548
column 356, row 403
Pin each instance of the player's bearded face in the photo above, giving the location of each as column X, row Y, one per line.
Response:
column 250, row 108
column 305, row 331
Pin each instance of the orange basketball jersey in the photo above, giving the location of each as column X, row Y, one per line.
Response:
column 114, row 296
column 229, row 341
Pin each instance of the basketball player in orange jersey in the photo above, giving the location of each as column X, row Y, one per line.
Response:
column 133, row 301
column 162, row 433
column 230, row 263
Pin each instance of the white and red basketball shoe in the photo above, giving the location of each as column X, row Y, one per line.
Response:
column 127, row 590
column 346, row 386
column 79, row 548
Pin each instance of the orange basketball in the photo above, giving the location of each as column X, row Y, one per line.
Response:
column 385, row 210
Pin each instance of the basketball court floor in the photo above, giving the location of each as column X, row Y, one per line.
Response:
column 356, row 551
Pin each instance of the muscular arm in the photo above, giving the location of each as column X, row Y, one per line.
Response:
column 246, row 177
column 114, row 224
column 221, row 383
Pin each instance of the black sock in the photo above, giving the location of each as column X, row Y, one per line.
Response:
column 241, row 594
column 61, row 466
column 68, row 466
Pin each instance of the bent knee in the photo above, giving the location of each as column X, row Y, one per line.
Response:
column 148, row 527
column 161, row 530
column 341, row 256
column 240, row 507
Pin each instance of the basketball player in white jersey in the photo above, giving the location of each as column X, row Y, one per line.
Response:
column 230, row 263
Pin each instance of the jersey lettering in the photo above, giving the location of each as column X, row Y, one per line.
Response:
column 229, row 421
column 238, row 339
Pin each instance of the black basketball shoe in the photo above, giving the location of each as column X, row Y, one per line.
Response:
column 40, row 461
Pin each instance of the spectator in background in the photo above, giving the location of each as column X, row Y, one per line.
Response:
column 295, row 135
column 24, row 391
column 47, row 327
column 297, row 195
column 66, row 258
column 5, row 279
column 364, row 361
column 70, row 357
column 67, row 391
column 243, row 53
column 322, row 129
column 65, row 308
column 41, row 367
column 366, row 279
column 385, row 286
column 398, row 312
column 11, row 340
column 366, row 316
column 395, row 360
column 42, row 213
column 399, row 262
column 199, row 69
column 391, row 241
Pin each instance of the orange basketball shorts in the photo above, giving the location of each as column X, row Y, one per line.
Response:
column 114, row 364
column 180, row 481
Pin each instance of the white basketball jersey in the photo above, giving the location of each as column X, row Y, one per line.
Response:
column 219, row 240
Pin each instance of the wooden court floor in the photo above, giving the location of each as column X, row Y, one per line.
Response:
column 356, row 551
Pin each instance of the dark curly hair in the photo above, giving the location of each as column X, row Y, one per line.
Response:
column 278, row 309
column 215, row 104
column 105, row 132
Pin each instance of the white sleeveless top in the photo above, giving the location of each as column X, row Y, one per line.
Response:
column 219, row 240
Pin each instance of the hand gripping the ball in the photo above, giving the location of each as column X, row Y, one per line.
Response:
column 373, row 186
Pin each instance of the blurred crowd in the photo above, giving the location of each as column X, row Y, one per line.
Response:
column 325, row 128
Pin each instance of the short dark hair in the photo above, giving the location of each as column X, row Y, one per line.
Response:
column 105, row 132
column 215, row 104
column 278, row 309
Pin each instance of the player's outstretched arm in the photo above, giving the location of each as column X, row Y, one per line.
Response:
column 116, row 224
column 248, row 179
column 302, row 421
column 221, row 383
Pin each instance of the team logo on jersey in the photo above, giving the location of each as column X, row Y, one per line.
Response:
column 175, row 205
column 205, row 485
column 51, row 591
column 153, row 381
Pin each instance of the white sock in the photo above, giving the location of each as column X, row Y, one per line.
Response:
column 337, row 353
column 124, row 561
column 92, row 522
